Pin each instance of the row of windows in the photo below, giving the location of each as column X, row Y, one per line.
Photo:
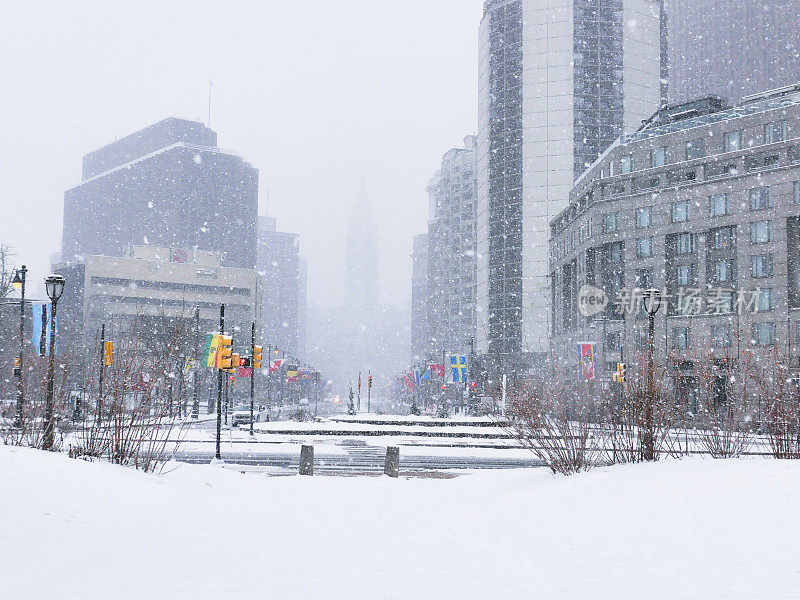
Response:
column 762, row 334
column 718, row 205
column 731, row 142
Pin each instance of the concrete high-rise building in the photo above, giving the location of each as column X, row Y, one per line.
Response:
column 731, row 48
column 452, row 250
column 420, row 340
column 279, row 268
column 559, row 81
column 168, row 185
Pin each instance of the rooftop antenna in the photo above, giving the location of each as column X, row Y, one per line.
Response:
column 210, row 86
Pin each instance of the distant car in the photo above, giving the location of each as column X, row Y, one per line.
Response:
column 241, row 416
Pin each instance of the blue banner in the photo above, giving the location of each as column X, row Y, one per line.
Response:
column 41, row 315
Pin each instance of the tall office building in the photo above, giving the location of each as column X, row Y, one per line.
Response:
column 559, row 81
column 168, row 185
column 731, row 48
column 420, row 341
column 282, row 289
column 452, row 250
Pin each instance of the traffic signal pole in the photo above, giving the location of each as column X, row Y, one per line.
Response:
column 252, row 372
column 102, row 370
column 219, row 384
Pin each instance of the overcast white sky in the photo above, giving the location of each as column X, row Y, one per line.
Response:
column 311, row 93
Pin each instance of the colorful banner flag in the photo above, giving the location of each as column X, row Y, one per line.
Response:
column 41, row 315
column 305, row 375
column 426, row 375
column 291, row 374
column 587, row 354
column 244, row 372
column 458, row 368
column 437, row 369
column 210, row 350
column 409, row 382
column 274, row 365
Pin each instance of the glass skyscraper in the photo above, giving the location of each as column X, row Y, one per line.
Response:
column 559, row 81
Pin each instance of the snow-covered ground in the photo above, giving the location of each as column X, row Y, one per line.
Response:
column 677, row 529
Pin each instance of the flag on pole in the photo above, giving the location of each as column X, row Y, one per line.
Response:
column 291, row 374
column 41, row 315
column 274, row 365
column 210, row 350
column 458, row 368
column 587, row 354
column 437, row 369
column 409, row 382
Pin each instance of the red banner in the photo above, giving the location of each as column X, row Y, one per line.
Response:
column 587, row 361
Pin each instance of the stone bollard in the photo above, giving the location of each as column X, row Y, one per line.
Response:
column 307, row 460
column 392, row 465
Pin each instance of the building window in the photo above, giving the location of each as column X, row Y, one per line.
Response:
column 644, row 247
column 765, row 300
column 718, row 205
column 733, row 141
column 723, row 271
column 685, row 275
column 615, row 252
column 761, row 232
column 612, row 340
column 680, row 337
column 589, row 229
column 721, row 336
column 774, row 132
column 763, row 334
column 797, row 192
column 626, row 164
column 722, row 238
column 644, row 216
column 610, row 223
column 761, row 266
column 611, row 172
column 684, row 243
column 680, row 211
column 696, row 149
column 658, row 157
column 643, row 278
column 760, row 198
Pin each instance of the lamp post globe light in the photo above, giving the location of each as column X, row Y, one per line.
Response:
column 652, row 303
column 19, row 284
column 54, row 285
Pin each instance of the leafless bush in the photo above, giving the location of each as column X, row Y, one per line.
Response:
column 29, row 429
column 131, row 420
column 555, row 424
column 644, row 413
column 778, row 392
column 724, row 411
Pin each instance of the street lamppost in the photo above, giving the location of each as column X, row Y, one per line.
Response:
column 19, row 284
column 652, row 303
column 55, row 287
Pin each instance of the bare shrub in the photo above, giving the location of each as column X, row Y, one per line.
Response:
column 778, row 392
column 724, row 411
column 556, row 425
column 29, row 430
column 644, row 413
column 132, row 421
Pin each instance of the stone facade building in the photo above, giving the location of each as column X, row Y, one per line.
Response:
column 703, row 203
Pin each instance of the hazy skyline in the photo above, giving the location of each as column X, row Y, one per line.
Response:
column 313, row 95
